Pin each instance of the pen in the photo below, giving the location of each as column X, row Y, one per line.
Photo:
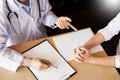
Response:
column 45, row 62
column 54, row 66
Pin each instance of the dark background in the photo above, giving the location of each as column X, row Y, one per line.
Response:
column 85, row 13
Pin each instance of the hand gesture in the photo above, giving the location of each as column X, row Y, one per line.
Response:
column 64, row 23
column 82, row 55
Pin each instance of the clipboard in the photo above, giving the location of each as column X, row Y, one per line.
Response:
column 44, row 50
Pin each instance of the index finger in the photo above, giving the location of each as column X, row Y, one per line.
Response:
column 74, row 28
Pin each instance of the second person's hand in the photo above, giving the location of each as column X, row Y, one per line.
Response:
column 82, row 55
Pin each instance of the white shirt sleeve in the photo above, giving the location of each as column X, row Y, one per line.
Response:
column 10, row 59
column 112, row 28
column 117, row 61
column 47, row 15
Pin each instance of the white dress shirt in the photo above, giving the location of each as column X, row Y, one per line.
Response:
column 112, row 29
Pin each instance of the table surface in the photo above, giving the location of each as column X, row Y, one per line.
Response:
column 84, row 71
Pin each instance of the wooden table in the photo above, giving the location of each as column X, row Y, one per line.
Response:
column 84, row 71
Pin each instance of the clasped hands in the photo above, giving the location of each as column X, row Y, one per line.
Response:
column 82, row 55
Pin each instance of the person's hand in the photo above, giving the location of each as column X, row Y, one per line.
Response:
column 38, row 64
column 64, row 23
column 82, row 55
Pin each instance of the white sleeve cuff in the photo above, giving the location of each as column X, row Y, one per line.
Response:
column 53, row 26
column 117, row 61
column 11, row 59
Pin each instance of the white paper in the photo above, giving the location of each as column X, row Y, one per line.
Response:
column 45, row 51
column 67, row 42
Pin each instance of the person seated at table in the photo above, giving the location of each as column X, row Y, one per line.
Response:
column 22, row 21
column 82, row 53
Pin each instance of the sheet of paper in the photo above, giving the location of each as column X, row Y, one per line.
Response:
column 45, row 50
column 67, row 42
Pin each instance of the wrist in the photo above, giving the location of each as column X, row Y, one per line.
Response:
column 27, row 61
column 85, row 46
column 55, row 20
column 91, row 60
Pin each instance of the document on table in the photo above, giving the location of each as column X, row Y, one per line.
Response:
column 45, row 50
column 67, row 42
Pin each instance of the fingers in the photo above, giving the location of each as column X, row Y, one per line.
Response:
column 75, row 29
column 43, row 66
column 81, row 55
column 67, row 18
column 64, row 23
column 78, row 60
column 69, row 25
column 77, row 57
column 45, row 62
column 40, row 64
column 80, row 51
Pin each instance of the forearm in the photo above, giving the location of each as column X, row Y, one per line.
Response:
column 108, row 60
column 96, row 40
column 82, row 55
